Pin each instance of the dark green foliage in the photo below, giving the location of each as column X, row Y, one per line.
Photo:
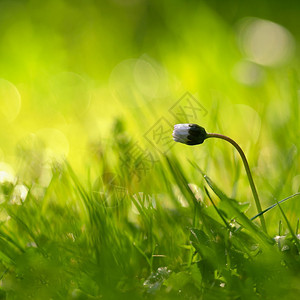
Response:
column 71, row 241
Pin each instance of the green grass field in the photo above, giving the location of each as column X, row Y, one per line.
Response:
column 96, row 199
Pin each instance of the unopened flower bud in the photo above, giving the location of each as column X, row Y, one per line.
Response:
column 189, row 134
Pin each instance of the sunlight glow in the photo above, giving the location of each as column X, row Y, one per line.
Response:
column 265, row 42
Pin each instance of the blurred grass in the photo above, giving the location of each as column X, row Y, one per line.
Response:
column 91, row 206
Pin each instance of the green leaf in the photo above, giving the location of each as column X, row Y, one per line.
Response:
column 232, row 207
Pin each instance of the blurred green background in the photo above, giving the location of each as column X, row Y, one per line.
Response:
column 69, row 69
column 101, row 84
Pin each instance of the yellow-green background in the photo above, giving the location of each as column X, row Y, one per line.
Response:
column 69, row 69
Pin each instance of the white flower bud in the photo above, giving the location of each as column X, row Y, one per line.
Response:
column 189, row 134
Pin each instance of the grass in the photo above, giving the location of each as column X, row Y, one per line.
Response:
column 81, row 238
column 89, row 209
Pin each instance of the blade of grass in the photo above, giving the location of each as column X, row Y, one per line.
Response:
column 289, row 226
column 272, row 206
column 242, row 218
column 217, row 210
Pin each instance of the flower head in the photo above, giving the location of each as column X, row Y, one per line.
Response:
column 189, row 134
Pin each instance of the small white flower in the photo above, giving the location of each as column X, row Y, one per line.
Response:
column 189, row 134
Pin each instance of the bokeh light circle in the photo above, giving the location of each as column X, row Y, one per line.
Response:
column 10, row 100
column 146, row 78
column 134, row 81
column 248, row 73
column 265, row 42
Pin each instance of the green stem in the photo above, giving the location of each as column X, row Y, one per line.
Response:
column 246, row 165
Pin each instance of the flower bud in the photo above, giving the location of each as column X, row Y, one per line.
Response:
column 189, row 134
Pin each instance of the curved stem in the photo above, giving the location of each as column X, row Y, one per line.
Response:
column 247, row 168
